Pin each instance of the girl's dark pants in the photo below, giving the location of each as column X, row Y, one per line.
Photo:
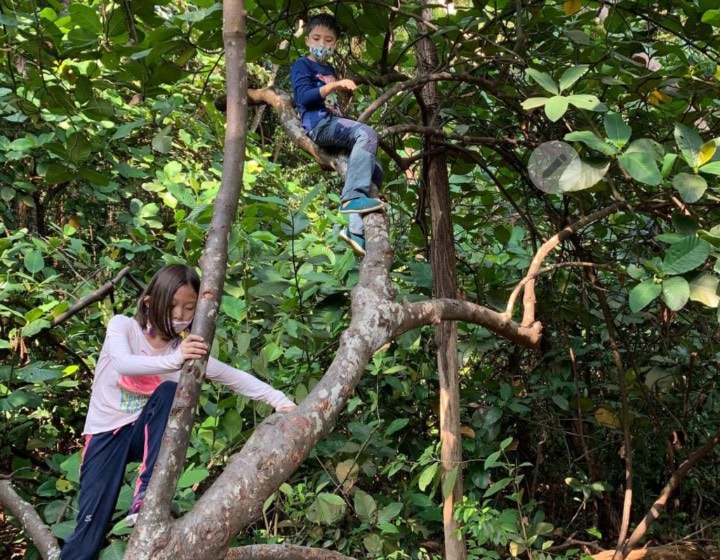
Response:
column 103, row 468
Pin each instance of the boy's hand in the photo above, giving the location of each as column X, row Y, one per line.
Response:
column 193, row 347
column 345, row 84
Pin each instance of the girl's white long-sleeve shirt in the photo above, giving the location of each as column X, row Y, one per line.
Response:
column 126, row 351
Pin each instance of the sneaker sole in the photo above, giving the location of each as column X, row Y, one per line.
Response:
column 364, row 210
column 353, row 245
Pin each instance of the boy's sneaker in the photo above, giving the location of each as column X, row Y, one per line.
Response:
column 361, row 205
column 356, row 242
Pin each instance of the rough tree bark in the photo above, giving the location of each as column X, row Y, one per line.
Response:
column 442, row 260
column 153, row 530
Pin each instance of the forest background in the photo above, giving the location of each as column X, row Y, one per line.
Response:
column 111, row 156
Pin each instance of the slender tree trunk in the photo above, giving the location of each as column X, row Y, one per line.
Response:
column 442, row 259
column 153, row 531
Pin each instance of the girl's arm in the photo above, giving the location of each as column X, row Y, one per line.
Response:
column 120, row 330
column 245, row 384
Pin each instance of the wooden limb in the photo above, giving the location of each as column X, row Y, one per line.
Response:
column 433, row 311
column 97, row 295
column 485, row 83
column 283, row 552
column 30, row 521
column 437, row 133
column 549, row 245
column 675, row 480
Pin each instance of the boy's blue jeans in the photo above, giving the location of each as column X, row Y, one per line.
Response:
column 363, row 167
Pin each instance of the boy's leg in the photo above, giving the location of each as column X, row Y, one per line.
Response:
column 101, row 476
column 362, row 142
column 356, row 224
column 148, row 432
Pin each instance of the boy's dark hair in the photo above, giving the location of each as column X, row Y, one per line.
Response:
column 323, row 20
column 160, row 291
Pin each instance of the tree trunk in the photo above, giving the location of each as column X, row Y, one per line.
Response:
column 153, row 531
column 442, row 259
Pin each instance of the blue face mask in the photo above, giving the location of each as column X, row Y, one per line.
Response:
column 321, row 52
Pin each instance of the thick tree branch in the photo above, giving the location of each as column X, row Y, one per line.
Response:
column 283, row 552
column 434, row 311
column 30, row 521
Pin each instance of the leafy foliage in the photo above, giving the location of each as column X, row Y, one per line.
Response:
column 111, row 155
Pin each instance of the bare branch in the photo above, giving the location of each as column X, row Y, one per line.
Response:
column 434, row 132
column 30, row 521
column 549, row 245
column 97, row 295
column 283, row 552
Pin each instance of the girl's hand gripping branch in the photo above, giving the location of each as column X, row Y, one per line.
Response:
column 193, row 347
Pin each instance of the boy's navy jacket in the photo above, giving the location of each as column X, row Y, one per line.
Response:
column 307, row 78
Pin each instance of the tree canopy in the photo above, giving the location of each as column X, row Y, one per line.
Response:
column 112, row 134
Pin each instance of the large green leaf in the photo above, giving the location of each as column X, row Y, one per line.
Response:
column 591, row 140
column 544, row 80
column 641, row 166
column 690, row 145
column 617, row 131
column 555, row 107
column 703, row 289
column 691, row 187
column 572, row 75
column 34, row 261
column 685, row 255
column 587, row 101
column 365, row 506
column 675, row 292
column 642, row 294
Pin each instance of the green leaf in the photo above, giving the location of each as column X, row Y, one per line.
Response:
column 642, row 294
column 685, row 255
column 690, row 145
column 675, row 292
column 703, row 289
column 389, row 512
column 618, row 132
column 492, row 460
column 116, row 551
column 34, row 261
column 711, row 17
column 583, row 176
column 591, row 140
column 374, row 544
column 534, row 103
column 162, row 141
column 85, row 17
column 691, row 187
column 641, row 166
column 192, row 476
column 125, row 130
column 555, row 107
column 543, row 80
column 427, row 476
column 495, row 488
column 561, row 402
column 396, row 425
column 587, row 102
column 365, row 506
column 572, row 75
column 78, row 147
column 713, row 168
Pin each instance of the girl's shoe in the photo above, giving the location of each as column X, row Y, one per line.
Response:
column 356, row 242
column 362, row 205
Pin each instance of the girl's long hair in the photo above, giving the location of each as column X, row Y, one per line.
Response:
column 156, row 302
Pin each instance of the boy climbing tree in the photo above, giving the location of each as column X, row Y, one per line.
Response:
column 314, row 85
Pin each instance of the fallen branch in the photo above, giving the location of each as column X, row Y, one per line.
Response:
column 30, row 521
column 283, row 552
column 675, row 479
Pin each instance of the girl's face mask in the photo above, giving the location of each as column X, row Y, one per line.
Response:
column 322, row 52
column 180, row 326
